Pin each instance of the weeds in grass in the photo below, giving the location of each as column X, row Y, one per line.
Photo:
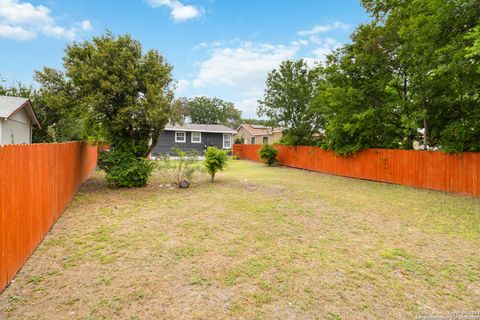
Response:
column 36, row 279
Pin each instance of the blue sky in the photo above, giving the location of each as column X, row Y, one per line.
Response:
column 222, row 48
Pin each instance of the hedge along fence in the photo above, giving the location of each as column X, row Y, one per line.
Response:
column 37, row 182
column 458, row 173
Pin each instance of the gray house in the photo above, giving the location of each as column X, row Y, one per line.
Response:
column 190, row 137
column 17, row 119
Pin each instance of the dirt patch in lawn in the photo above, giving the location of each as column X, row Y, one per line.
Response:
column 259, row 243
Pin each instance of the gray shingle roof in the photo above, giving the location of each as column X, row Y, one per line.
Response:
column 8, row 106
column 199, row 127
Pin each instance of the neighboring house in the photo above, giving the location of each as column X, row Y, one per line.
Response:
column 258, row 134
column 190, row 137
column 17, row 119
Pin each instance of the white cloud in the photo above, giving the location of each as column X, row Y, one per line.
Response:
column 15, row 33
column 327, row 46
column 182, row 85
column 86, row 25
column 325, row 28
column 23, row 21
column 237, row 70
column 248, row 102
column 178, row 10
column 245, row 65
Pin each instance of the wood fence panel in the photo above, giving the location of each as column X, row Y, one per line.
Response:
column 456, row 173
column 37, row 182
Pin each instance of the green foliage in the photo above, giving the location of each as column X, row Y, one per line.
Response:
column 183, row 168
column 58, row 108
column 215, row 161
column 268, row 153
column 128, row 93
column 256, row 121
column 240, row 140
column 124, row 169
column 117, row 95
column 411, row 74
column 206, row 110
column 287, row 101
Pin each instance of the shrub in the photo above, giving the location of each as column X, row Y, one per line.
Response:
column 124, row 169
column 215, row 160
column 268, row 153
column 240, row 140
column 182, row 170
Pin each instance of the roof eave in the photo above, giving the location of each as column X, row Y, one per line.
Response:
column 198, row 130
column 31, row 113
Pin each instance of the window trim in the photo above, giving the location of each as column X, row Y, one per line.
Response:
column 196, row 132
column 230, row 141
column 184, row 137
column 263, row 140
column 253, row 140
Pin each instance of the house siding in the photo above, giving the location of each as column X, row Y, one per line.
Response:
column 274, row 137
column 17, row 129
column 167, row 141
column 242, row 133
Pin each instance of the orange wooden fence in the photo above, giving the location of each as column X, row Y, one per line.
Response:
column 37, row 182
column 458, row 173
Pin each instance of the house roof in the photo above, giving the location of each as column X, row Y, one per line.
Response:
column 259, row 130
column 214, row 128
column 9, row 105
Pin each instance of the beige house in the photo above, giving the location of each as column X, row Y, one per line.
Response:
column 17, row 119
column 258, row 134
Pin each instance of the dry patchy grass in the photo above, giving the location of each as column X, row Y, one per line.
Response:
column 260, row 243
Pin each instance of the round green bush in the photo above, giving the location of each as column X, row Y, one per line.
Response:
column 125, row 170
column 268, row 153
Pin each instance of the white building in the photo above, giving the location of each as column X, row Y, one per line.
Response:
column 17, row 119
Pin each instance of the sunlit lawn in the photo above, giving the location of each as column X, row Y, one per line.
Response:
column 259, row 243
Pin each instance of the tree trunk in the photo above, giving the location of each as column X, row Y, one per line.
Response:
column 425, row 133
column 212, row 177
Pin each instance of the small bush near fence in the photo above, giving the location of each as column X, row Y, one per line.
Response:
column 268, row 153
column 124, row 169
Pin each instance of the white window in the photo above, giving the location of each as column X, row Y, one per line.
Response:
column 227, row 141
column 196, row 137
column 180, row 136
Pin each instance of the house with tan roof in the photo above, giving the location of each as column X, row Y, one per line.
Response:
column 258, row 134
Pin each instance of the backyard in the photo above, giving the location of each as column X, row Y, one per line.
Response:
column 259, row 243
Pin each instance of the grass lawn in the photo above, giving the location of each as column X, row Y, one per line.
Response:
column 260, row 243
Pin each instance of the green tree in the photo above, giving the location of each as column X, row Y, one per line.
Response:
column 411, row 74
column 215, row 161
column 358, row 98
column 57, row 107
column 287, row 101
column 205, row 110
column 268, row 153
column 126, row 95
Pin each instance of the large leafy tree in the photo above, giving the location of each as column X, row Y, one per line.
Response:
column 205, row 110
column 290, row 90
column 360, row 98
column 127, row 92
column 411, row 74
column 57, row 106
column 125, row 96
